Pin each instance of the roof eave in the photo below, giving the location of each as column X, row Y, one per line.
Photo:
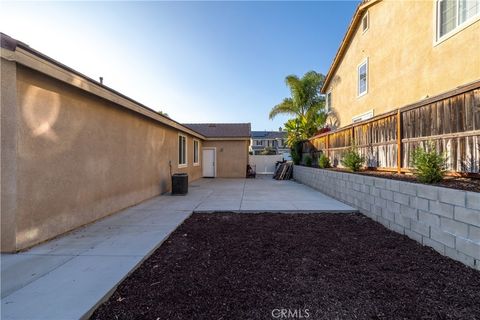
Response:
column 346, row 41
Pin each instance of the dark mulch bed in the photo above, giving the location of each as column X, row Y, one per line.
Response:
column 338, row 266
column 461, row 183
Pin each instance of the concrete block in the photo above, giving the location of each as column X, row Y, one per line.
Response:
column 427, row 192
column 454, row 227
column 384, row 221
column 420, row 228
column 469, row 216
column 375, row 191
column 473, row 233
column 413, row 235
column 380, row 183
column 442, row 209
column 397, row 228
column 393, row 207
column 389, row 215
column 452, row 196
column 442, row 237
column 458, row 256
column 468, row 247
column 437, row 246
column 428, row 218
column 473, row 200
column 401, row 198
column 402, row 220
column 369, row 181
column 419, row 203
column 380, row 202
column 393, row 185
column 408, row 188
column 386, row 194
column 377, row 210
column 409, row 212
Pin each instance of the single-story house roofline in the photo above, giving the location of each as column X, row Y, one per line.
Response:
column 269, row 134
column 21, row 53
column 354, row 23
column 239, row 131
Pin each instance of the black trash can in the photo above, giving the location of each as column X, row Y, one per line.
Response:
column 179, row 184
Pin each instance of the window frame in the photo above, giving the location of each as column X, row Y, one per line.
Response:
column 180, row 163
column 328, row 101
column 362, row 117
column 366, row 63
column 196, row 152
column 367, row 17
column 437, row 38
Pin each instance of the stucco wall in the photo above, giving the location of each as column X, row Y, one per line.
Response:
column 80, row 157
column 405, row 65
column 232, row 157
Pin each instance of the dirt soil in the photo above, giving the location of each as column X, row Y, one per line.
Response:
column 461, row 183
column 326, row 266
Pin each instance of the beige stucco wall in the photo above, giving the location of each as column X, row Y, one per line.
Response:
column 405, row 63
column 80, row 157
column 232, row 157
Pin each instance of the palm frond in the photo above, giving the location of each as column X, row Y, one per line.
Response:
column 285, row 107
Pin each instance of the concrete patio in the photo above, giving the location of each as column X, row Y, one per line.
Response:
column 66, row 278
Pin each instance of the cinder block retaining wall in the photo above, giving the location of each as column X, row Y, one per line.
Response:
column 445, row 219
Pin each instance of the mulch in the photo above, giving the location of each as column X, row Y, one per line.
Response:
column 461, row 183
column 324, row 266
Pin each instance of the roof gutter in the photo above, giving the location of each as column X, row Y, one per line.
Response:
column 357, row 17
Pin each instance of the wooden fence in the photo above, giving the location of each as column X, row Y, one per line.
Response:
column 451, row 121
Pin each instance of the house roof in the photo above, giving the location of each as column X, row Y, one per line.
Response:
column 269, row 134
column 357, row 18
column 221, row 130
column 97, row 88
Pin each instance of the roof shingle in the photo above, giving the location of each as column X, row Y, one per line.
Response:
column 221, row 130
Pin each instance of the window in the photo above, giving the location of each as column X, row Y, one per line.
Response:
column 196, row 158
column 363, row 116
column 182, row 150
column 328, row 101
column 452, row 14
column 363, row 78
column 365, row 22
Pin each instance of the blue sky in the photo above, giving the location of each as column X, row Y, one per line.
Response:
column 197, row 61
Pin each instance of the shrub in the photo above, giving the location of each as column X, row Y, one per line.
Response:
column 352, row 159
column 428, row 165
column 308, row 161
column 295, row 157
column 324, row 161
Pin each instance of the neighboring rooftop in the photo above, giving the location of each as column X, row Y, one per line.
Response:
column 269, row 134
column 221, row 130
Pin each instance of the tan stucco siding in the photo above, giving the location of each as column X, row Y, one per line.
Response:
column 232, row 157
column 81, row 157
column 405, row 63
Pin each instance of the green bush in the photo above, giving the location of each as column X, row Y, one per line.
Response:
column 352, row 159
column 324, row 161
column 295, row 157
column 428, row 165
column 308, row 161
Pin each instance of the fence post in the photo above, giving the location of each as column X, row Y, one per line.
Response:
column 399, row 142
column 327, row 145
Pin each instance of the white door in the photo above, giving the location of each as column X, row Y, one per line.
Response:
column 208, row 161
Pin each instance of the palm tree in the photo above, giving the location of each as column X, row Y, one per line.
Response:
column 306, row 104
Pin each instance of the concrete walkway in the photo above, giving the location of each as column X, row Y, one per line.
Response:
column 66, row 278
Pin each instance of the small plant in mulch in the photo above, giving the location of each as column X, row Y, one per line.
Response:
column 352, row 159
column 429, row 166
column 308, row 161
column 324, row 162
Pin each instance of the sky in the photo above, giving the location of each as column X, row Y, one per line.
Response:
column 197, row 61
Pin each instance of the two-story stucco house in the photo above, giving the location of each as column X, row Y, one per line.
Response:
column 274, row 140
column 396, row 53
